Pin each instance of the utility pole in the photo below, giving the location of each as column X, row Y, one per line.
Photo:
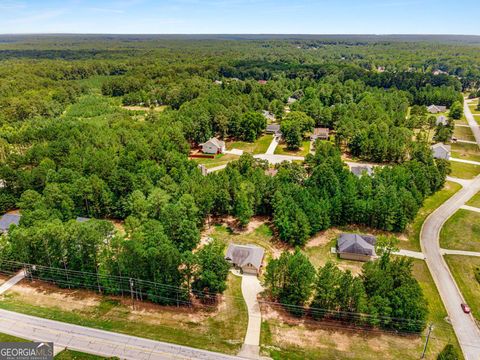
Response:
column 131, row 293
column 430, row 328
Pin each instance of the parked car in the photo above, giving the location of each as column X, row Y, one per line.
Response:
column 466, row 309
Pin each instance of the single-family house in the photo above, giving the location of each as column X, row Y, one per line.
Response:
column 218, row 82
column 273, row 129
column 442, row 119
column 268, row 115
column 262, row 82
column 435, row 109
column 356, row 247
column 441, row 151
column 213, row 146
column 359, row 170
column 381, row 69
column 247, row 258
column 320, row 133
column 291, row 100
column 8, row 219
column 439, row 72
column 82, row 219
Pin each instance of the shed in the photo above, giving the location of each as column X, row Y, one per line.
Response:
column 248, row 258
column 441, row 151
column 356, row 246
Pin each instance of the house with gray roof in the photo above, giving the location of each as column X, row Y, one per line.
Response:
column 268, row 115
column 435, row 109
column 441, row 120
column 273, row 129
column 8, row 219
column 357, row 247
column 441, row 151
column 213, row 146
column 247, row 258
column 360, row 170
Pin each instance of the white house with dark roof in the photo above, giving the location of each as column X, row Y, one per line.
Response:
column 435, row 109
column 357, row 247
column 441, row 151
column 247, row 258
column 213, row 146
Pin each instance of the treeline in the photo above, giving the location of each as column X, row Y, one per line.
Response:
column 384, row 295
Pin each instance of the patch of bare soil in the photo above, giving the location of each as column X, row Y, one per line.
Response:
column 43, row 294
column 323, row 237
column 306, row 332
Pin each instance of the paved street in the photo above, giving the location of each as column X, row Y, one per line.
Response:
column 464, row 325
column 99, row 342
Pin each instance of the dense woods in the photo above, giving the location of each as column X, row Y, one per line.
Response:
column 69, row 147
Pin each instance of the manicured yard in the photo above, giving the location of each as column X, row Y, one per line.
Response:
column 473, row 108
column 75, row 355
column 303, row 151
column 220, row 328
column 475, row 201
column 10, row 338
column 462, row 268
column 287, row 338
column 220, row 159
column 461, row 231
column 466, row 151
column 429, row 205
column 464, row 171
column 463, row 133
column 260, row 145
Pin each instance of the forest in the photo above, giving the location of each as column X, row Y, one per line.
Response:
column 70, row 147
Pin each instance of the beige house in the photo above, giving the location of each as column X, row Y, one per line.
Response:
column 247, row 258
column 356, row 247
column 213, row 146
column 320, row 133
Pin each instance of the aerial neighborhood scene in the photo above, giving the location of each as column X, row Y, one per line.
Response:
column 238, row 180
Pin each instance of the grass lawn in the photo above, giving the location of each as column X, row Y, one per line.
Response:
column 260, row 145
column 463, row 133
column 261, row 236
column 220, row 159
column 429, row 205
column 75, row 355
column 461, row 231
column 303, row 151
column 218, row 329
column 474, row 201
column 464, row 171
column 473, row 108
column 462, row 268
column 10, row 338
column 466, row 151
column 282, row 339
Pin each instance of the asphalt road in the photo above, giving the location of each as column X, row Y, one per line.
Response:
column 464, row 325
column 98, row 342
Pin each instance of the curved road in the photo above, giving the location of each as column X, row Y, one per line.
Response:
column 464, row 325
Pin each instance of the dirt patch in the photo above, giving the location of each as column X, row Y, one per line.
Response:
column 323, row 238
column 233, row 225
column 144, row 108
column 43, row 294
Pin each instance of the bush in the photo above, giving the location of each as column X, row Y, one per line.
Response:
column 477, row 274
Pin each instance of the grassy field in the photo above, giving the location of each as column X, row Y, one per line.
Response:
column 466, row 151
column 260, row 145
column 303, row 151
column 287, row 338
column 463, row 133
column 464, row 171
column 221, row 328
column 220, row 159
column 461, row 231
column 462, row 268
column 75, row 355
column 429, row 205
column 474, row 201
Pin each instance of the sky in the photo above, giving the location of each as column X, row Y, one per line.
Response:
column 240, row 16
